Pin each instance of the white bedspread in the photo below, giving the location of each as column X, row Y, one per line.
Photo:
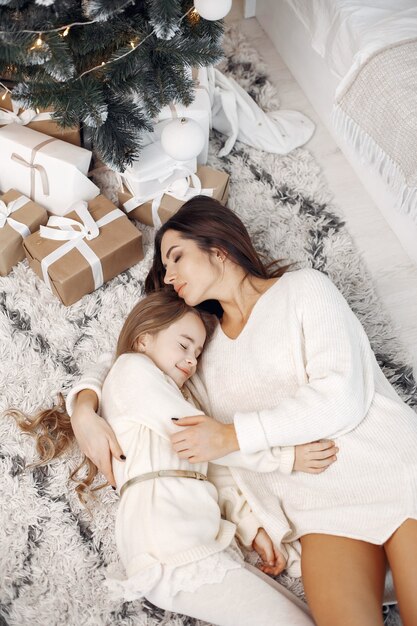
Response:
column 346, row 33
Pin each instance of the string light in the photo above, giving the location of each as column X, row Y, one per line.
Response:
column 194, row 16
column 6, row 91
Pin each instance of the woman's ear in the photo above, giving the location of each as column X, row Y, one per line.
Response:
column 220, row 254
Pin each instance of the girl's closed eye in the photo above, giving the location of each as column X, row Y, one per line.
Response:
column 183, row 347
column 177, row 258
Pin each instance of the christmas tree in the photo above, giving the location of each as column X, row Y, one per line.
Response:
column 108, row 65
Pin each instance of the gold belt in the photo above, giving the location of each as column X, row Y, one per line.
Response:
column 162, row 474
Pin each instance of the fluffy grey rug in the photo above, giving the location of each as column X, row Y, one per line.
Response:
column 52, row 552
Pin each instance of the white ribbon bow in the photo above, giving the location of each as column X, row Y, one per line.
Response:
column 179, row 189
column 7, row 209
column 25, row 117
column 75, row 233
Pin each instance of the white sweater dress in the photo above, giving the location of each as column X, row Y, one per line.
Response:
column 170, row 527
column 302, row 369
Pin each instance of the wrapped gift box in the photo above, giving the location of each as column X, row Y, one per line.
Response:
column 213, row 183
column 19, row 217
column 154, row 171
column 47, row 170
column 11, row 112
column 93, row 246
column 199, row 110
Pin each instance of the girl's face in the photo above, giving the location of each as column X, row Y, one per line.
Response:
column 189, row 269
column 175, row 349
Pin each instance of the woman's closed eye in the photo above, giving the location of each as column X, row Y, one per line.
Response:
column 177, row 258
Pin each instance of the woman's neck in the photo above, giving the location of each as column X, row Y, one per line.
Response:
column 241, row 298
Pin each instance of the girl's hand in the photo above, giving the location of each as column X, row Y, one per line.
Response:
column 273, row 561
column 94, row 436
column 315, row 457
column 204, row 440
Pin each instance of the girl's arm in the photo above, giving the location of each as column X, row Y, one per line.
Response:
column 94, row 436
column 233, row 504
column 312, row 458
column 235, row 508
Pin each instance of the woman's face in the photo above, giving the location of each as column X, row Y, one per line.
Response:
column 175, row 349
column 189, row 269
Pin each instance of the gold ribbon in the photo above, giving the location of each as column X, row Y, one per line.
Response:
column 35, row 167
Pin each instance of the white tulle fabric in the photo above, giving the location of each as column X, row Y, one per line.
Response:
column 190, row 577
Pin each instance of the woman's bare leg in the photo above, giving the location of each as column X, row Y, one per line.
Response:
column 401, row 551
column 343, row 580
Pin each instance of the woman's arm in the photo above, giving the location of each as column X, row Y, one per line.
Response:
column 339, row 373
column 336, row 394
column 94, row 436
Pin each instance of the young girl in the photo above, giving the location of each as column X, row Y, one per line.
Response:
column 176, row 549
column 174, row 545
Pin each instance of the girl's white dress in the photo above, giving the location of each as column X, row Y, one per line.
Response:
column 169, row 527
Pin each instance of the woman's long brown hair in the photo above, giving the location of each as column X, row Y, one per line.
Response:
column 211, row 225
column 52, row 427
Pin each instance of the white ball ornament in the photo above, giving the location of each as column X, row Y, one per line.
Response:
column 182, row 139
column 213, row 9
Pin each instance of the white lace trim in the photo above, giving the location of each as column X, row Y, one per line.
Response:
column 210, row 570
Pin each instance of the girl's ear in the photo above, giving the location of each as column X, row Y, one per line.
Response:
column 141, row 343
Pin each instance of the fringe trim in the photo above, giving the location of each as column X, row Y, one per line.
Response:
column 371, row 153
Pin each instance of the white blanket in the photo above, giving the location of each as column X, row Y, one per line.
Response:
column 346, row 33
column 236, row 115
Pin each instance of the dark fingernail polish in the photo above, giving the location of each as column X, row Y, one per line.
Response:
column 122, row 456
column 114, row 488
column 175, row 419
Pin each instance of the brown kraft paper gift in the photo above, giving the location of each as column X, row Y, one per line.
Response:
column 31, row 215
column 210, row 179
column 48, row 127
column 118, row 246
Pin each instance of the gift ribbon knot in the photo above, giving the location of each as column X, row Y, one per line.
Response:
column 35, row 167
column 25, row 117
column 74, row 233
column 180, row 189
column 11, row 207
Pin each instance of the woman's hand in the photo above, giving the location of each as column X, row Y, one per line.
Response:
column 204, row 439
column 94, row 436
column 315, row 457
column 273, row 561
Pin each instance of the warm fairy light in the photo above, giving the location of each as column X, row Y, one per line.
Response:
column 132, row 44
column 194, row 16
column 66, row 31
column 37, row 110
column 103, row 63
column 4, row 95
column 38, row 43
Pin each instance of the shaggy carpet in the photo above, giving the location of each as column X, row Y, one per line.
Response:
column 53, row 552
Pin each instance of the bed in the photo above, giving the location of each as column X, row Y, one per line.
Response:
column 356, row 60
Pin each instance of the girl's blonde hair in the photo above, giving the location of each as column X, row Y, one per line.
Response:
column 52, row 427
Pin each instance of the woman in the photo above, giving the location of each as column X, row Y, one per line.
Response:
column 290, row 363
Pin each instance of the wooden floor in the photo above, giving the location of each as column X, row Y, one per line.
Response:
column 395, row 275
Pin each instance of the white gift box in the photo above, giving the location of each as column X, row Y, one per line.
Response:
column 51, row 172
column 155, row 171
column 199, row 110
